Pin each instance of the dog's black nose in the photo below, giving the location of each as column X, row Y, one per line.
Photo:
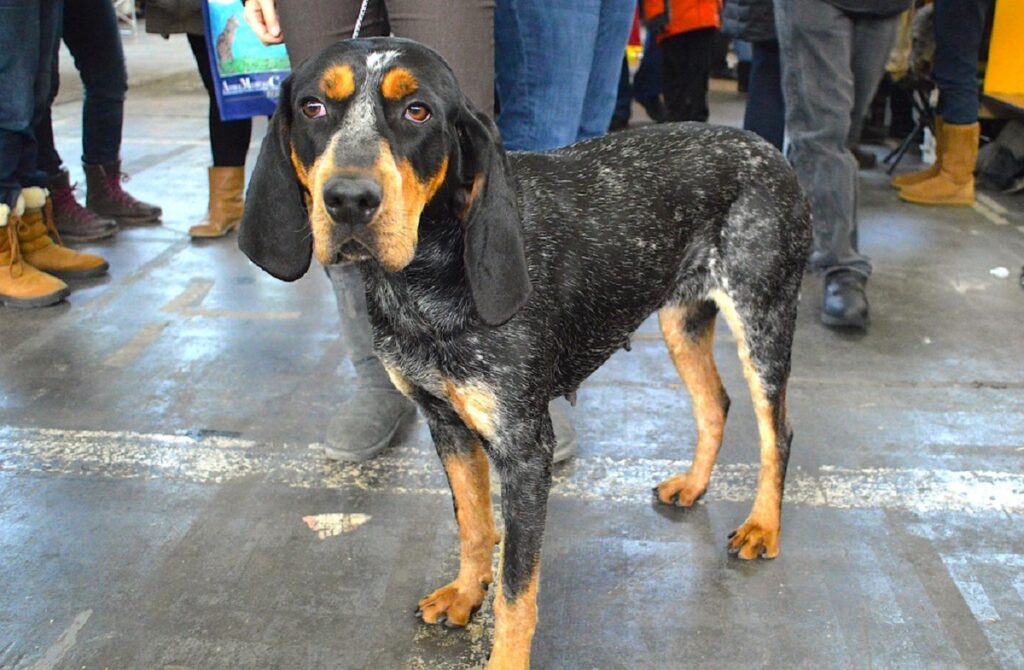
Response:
column 352, row 200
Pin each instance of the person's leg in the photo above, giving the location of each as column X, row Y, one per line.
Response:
column 544, row 54
column 229, row 143
column 462, row 31
column 623, row 99
column 816, row 50
column 686, row 74
column 74, row 222
column 765, row 113
column 374, row 411
column 609, row 48
column 647, row 81
column 959, row 25
column 19, row 24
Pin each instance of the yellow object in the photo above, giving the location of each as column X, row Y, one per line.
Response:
column 908, row 178
column 1004, row 73
column 954, row 184
column 40, row 251
column 224, row 212
column 22, row 285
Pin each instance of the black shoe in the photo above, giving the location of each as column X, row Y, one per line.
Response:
column 655, row 109
column 618, row 123
column 865, row 159
column 845, row 304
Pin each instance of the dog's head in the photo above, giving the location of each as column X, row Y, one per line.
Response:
column 367, row 135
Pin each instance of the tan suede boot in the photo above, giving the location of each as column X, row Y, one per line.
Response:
column 21, row 285
column 225, row 209
column 908, row 178
column 39, row 249
column 954, row 185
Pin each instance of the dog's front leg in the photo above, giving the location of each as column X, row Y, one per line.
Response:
column 523, row 460
column 466, row 465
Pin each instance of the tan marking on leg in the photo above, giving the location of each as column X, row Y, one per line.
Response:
column 399, row 380
column 514, row 624
column 476, row 405
column 469, row 477
column 759, row 534
column 338, row 82
column 398, row 83
column 696, row 365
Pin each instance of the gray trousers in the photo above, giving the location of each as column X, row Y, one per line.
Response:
column 832, row 62
column 462, row 31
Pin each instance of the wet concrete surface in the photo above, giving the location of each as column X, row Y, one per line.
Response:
column 164, row 502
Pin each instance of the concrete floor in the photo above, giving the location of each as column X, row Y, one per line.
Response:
column 164, row 504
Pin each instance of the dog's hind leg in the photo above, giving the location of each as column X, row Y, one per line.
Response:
column 468, row 472
column 764, row 335
column 689, row 332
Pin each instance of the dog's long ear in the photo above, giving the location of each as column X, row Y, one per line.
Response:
column 494, row 255
column 275, row 232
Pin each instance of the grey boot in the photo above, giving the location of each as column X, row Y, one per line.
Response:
column 363, row 425
column 565, row 433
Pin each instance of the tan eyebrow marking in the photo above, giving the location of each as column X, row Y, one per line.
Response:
column 338, row 82
column 398, row 83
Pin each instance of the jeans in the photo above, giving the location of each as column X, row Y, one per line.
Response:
column 958, row 28
column 557, row 66
column 832, row 62
column 765, row 113
column 28, row 33
column 91, row 33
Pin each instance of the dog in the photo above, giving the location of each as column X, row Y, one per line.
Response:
column 498, row 281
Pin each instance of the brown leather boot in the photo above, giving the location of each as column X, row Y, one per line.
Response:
column 909, row 178
column 104, row 196
column 21, row 285
column 954, row 185
column 225, row 209
column 39, row 249
column 74, row 222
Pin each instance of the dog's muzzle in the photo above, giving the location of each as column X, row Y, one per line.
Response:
column 352, row 202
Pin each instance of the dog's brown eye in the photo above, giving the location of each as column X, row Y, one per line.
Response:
column 417, row 112
column 313, row 109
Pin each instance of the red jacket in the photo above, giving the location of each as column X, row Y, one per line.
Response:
column 682, row 15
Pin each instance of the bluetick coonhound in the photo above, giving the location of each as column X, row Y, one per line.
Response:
column 496, row 282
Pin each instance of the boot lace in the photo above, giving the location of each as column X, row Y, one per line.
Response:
column 118, row 194
column 12, row 241
column 51, row 227
column 67, row 203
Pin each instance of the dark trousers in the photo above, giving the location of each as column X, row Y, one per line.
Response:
column 91, row 33
column 646, row 86
column 958, row 28
column 766, row 109
column 686, row 67
column 229, row 140
column 28, row 32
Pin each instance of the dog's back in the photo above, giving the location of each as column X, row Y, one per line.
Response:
column 619, row 226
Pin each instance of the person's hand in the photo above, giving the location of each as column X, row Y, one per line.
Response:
column 261, row 15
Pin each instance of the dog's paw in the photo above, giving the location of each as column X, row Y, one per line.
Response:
column 452, row 605
column 681, row 490
column 754, row 540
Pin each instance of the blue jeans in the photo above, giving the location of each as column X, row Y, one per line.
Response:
column 28, row 32
column 766, row 110
column 958, row 28
column 91, row 33
column 557, row 65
